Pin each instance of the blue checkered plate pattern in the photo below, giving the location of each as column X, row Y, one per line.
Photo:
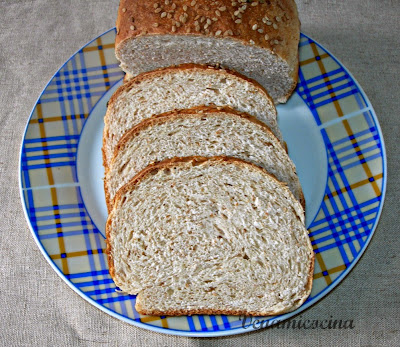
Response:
column 346, row 217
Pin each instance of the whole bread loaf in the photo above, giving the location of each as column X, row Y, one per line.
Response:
column 256, row 38
column 201, row 131
column 209, row 236
column 182, row 87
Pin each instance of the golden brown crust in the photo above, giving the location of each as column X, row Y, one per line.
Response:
column 246, row 22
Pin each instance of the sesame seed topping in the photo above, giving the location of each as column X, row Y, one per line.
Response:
column 214, row 19
column 254, row 3
column 254, row 27
column 197, row 28
column 202, row 19
column 164, row 14
column 278, row 19
column 184, row 20
column 124, row 10
column 266, row 37
column 206, row 31
column 169, row 15
column 260, row 30
column 166, row 2
column 185, row 8
column 276, row 42
column 219, row 32
column 234, row 3
column 208, row 21
column 158, row 10
column 275, row 26
column 206, row 26
column 156, row 5
column 193, row 3
column 188, row 30
column 173, row 28
column 173, row 6
column 222, row 8
column 243, row 8
column 207, row 8
column 268, row 22
column 252, row 42
column 238, row 21
column 155, row 25
column 236, row 13
column 218, row 13
column 178, row 24
column 132, row 27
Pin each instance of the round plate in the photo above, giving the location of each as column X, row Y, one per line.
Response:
column 333, row 137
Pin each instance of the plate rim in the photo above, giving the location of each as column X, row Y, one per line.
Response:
column 234, row 331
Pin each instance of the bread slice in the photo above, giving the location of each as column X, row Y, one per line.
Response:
column 259, row 39
column 182, row 87
column 200, row 131
column 209, row 236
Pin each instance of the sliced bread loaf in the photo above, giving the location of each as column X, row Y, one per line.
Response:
column 258, row 38
column 200, row 131
column 209, row 236
column 179, row 88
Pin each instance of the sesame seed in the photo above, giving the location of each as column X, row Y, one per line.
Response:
column 178, row 24
column 155, row 25
column 196, row 22
column 275, row 26
column 188, row 30
column 265, row 20
column 266, row 37
column 268, row 22
column 207, row 8
column 236, row 13
column 124, row 10
column 260, row 30
column 164, row 14
column 202, row 19
column 206, row 26
column 197, row 28
column 156, row 5
column 219, row 32
column 252, row 42
column 243, row 8
column 158, row 10
column 276, row 42
column 197, row 17
column 254, row 27
column 169, row 15
column 238, row 21
column 193, row 3
column 173, row 28
column 173, row 6
column 226, row 33
column 208, row 21
column 214, row 19
column 218, row 13
column 166, row 2
column 132, row 27
column 184, row 20
column 222, row 8
column 254, row 4
column 278, row 19
column 206, row 31
column 234, row 3
column 185, row 8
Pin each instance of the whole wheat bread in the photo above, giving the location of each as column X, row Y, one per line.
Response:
column 209, row 236
column 258, row 39
column 182, row 87
column 200, row 131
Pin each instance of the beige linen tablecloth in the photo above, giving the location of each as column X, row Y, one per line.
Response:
column 39, row 309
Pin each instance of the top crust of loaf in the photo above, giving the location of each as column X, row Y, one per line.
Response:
column 246, row 22
column 195, row 161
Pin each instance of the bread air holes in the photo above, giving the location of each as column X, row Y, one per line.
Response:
column 215, row 90
column 122, row 168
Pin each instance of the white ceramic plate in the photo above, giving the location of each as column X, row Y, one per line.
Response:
column 333, row 137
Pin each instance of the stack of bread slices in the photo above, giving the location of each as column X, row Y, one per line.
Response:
column 206, row 212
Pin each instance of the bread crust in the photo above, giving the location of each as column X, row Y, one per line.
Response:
column 141, row 18
column 198, row 160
